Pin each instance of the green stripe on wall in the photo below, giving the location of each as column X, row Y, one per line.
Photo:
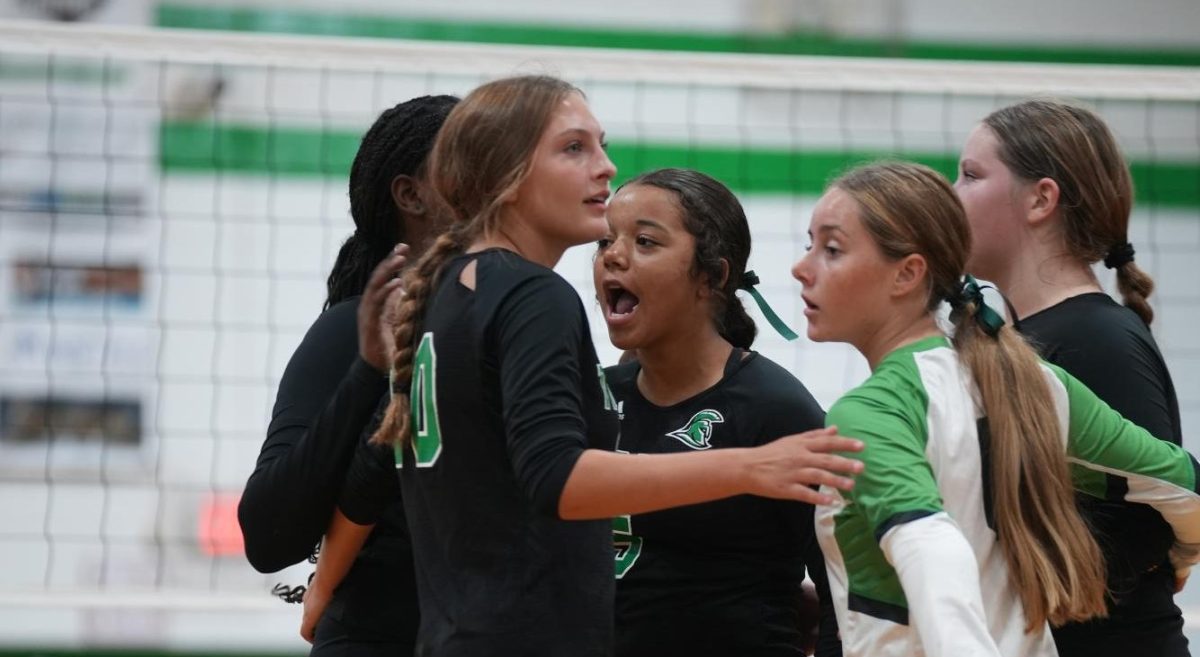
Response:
column 294, row 21
column 205, row 148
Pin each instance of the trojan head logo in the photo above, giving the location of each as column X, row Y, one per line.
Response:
column 698, row 430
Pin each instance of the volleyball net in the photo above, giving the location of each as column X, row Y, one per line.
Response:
column 171, row 203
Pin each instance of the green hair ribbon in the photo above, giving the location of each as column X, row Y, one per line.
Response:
column 989, row 320
column 749, row 280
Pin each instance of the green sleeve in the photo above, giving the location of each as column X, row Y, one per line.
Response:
column 1098, row 438
column 1158, row 473
column 897, row 483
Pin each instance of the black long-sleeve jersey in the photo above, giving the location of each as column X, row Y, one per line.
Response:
column 720, row 578
column 326, row 399
column 506, row 394
column 1110, row 349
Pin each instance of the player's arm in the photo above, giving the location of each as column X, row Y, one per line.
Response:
column 1128, row 374
column 606, row 484
column 1158, row 473
column 292, row 492
column 940, row 577
column 341, row 545
column 369, row 487
column 539, row 329
column 899, row 498
column 290, row 495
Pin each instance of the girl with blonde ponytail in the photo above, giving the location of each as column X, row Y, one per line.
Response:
column 499, row 417
column 1048, row 195
column 962, row 536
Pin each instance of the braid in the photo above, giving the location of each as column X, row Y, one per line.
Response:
column 1135, row 285
column 396, row 144
column 481, row 155
column 419, row 282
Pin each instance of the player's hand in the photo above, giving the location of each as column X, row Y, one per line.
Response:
column 316, row 599
column 377, row 307
column 786, row 468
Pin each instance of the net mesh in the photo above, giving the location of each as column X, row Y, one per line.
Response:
column 171, row 202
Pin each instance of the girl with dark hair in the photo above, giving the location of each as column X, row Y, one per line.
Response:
column 329, row 392
column 1048, row 195
column 724, row 577
column 501, row 424
column 962, row 536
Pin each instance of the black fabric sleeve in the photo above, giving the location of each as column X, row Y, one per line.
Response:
column 325, row 398
column 539, row 333
column 371, row 483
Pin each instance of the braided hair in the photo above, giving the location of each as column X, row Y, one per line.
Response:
column 396, row 144
column 479, row 161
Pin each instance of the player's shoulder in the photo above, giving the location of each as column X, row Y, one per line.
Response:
column 894, row 391
column 333, row 335
column 767, row 381
column 1091, row 325
column 340, row 317
column 502, row 272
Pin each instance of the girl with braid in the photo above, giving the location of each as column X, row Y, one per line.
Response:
column 1048, row 194
column 501, row 424
column 328, row 395
column 961, row 537
column 724, row 577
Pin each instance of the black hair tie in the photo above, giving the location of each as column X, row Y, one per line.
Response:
column 1119, row 256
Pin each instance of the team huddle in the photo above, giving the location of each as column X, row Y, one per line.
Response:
column 1005, row 482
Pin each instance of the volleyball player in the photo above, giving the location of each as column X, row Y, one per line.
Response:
column 1048, row 195
column 328, row 395
column 500, row 416
column 724, row 577
column 961, row 537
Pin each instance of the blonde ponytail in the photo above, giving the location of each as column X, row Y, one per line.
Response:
column 1053, row 560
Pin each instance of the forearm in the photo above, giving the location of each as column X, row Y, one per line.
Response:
column 606, row 484
column 341, row 545
column 940, row 578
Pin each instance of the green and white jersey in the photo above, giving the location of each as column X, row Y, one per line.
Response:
column 914, row 564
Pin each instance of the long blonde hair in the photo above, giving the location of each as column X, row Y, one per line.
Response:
column 481, row 156
column 1053, row 559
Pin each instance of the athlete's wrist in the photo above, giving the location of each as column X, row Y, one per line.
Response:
column 740, row 470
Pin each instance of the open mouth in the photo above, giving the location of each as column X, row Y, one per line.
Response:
column 599, row 200
column 620, row 302
column 808, row 305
